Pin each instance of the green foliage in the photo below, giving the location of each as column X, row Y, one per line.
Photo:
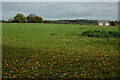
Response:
column 35, row 19
column 96, row 33
column 112, row 23
column 20, row 18
column 38, row 19
column 102, row 34
column 114, row 34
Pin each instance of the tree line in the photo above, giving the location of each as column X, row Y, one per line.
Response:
column 20, row 18
column 32, row 18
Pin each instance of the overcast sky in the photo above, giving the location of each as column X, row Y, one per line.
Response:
column 62, row 10
column 60, row 0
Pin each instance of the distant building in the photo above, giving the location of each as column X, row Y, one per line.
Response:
column 103, row 23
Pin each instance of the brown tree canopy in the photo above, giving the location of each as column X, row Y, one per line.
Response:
column 32, row 18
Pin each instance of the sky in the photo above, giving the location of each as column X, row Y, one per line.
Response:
column 60, row 0
column 62, row 10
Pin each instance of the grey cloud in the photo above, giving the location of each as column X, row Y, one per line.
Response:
column 66, row 10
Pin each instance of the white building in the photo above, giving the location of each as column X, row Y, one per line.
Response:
column 103, row 23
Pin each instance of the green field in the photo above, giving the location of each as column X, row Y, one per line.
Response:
column 37, row 50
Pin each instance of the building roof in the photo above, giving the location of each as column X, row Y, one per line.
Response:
column 102, row 21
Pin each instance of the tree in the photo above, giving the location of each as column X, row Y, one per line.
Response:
column 20, row 18
column 38, row 19
column 113, row 23
column 11, row 20
column 119, row 22
column 32, row 18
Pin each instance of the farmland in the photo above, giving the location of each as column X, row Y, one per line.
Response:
column 37, row 50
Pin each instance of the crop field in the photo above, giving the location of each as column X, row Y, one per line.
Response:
column 39, row 50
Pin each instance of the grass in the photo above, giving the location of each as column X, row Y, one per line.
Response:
column 37, row 50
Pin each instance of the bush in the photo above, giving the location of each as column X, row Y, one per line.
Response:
column 113, row 23
column 114, row 34
column 96, row 33
column 102, row 34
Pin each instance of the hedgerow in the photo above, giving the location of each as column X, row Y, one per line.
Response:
column 102, row 34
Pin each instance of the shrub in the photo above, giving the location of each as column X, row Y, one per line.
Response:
column 114, row 34
column 102, row 34
column 96, row 33
column 113, row 23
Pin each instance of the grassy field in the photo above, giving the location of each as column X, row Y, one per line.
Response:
column 36, row 50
